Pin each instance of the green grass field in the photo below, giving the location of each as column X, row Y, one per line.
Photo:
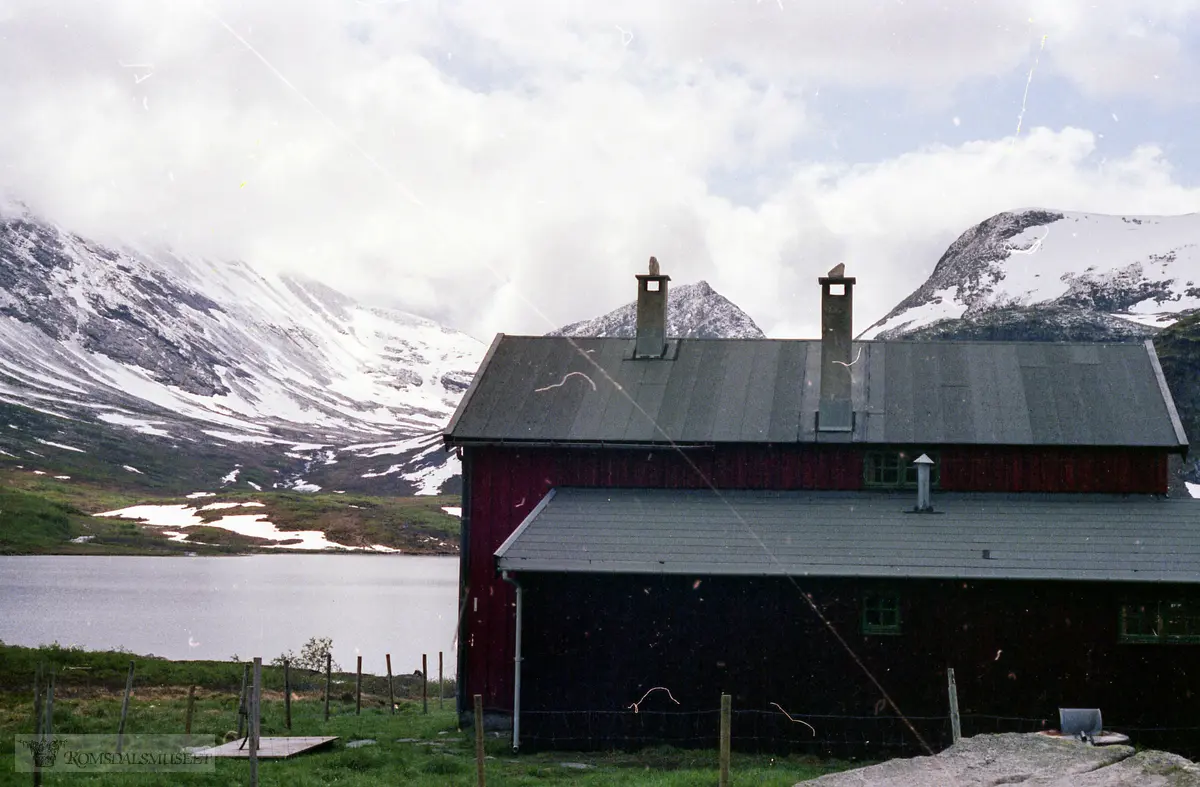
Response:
column 88, row 700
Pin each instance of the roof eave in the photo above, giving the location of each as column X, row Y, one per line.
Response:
column 1169, row 400
column 448, row 432
column 525, row 523
column 881, row 572
column 507, row 442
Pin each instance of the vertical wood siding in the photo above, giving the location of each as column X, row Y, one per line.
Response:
column 1120, row 471
column 507, row 483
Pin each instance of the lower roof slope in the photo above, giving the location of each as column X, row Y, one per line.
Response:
column 562, row 390
column 857, row 534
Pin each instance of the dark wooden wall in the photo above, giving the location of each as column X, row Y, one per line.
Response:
column 505, row 483
column 1006, row 469
column 1020, row 650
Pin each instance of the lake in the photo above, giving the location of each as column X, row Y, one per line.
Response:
column 255, row 605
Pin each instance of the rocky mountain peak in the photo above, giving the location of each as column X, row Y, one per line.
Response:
column 694, row 311
column 1109, row 277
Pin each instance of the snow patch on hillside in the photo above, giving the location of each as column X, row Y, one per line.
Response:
column 60, row 445
column 137, row 424
column 181, row 517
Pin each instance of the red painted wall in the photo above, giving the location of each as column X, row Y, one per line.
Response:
column 1014, row 469
column 506, row 483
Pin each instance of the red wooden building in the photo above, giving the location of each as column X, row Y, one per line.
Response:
column 742, row 516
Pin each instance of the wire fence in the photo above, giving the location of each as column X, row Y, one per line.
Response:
column 774, row 732
column 761, row 731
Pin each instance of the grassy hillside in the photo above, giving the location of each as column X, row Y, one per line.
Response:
column 41, row 514
column 187, row 461
column 104, row 452
column 35, row 523
column 31, row 522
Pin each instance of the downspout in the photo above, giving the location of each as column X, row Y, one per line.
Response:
column 516, row 739
column 467, row 457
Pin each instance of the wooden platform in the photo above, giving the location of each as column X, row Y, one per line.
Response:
column 268, row 748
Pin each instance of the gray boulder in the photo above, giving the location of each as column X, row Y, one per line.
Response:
column 1031, row 759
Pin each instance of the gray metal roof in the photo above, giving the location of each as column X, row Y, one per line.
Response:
column 557, row 389
column 857, row 534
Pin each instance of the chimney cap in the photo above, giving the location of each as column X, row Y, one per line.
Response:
column 655, row 273
column 923, row 459
column 837, row 275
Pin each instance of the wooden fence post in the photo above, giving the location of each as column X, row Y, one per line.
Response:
column 955, row 720
column 38, row 718
column 391, row 688
column 441, row 681
column 328, row 677
column 726, row 736
column 50, row 705
column 187, row 721
column 358, row 689
column 479, row 739
column 243, row 698
column 125, row 708
column 255, row 720
column 287, row 694
column 425, row 682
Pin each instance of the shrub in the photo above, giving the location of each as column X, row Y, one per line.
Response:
column 312, row 655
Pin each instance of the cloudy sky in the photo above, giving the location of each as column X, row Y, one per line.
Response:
column 508, row 165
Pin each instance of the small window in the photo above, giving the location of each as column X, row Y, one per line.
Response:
column 881, row 612
column 837, row 289
column 652, row 286
column 1161, row 621
column 895, row 469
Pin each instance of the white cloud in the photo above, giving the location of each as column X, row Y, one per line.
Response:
column 507, row 166
column 891, row 221
column 1114, row 47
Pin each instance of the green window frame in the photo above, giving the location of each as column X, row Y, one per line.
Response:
column 895, row 469
column 880, row 612
column 1160, row 621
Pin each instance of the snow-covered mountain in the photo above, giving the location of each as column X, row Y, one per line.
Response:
column 693, row 311
column 220, row 365
column 1049, row 274
column 1041, row 275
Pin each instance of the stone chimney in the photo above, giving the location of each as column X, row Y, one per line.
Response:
column 651, row 339
column 837, row 320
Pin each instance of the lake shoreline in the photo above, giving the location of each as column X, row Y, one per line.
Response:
column 208, row 550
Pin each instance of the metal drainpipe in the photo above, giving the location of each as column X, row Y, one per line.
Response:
column 516, row 740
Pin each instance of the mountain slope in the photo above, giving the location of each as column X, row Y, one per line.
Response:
column 1040, row 274
column 216, row 363
column 694, row 311
column 1178, row 349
